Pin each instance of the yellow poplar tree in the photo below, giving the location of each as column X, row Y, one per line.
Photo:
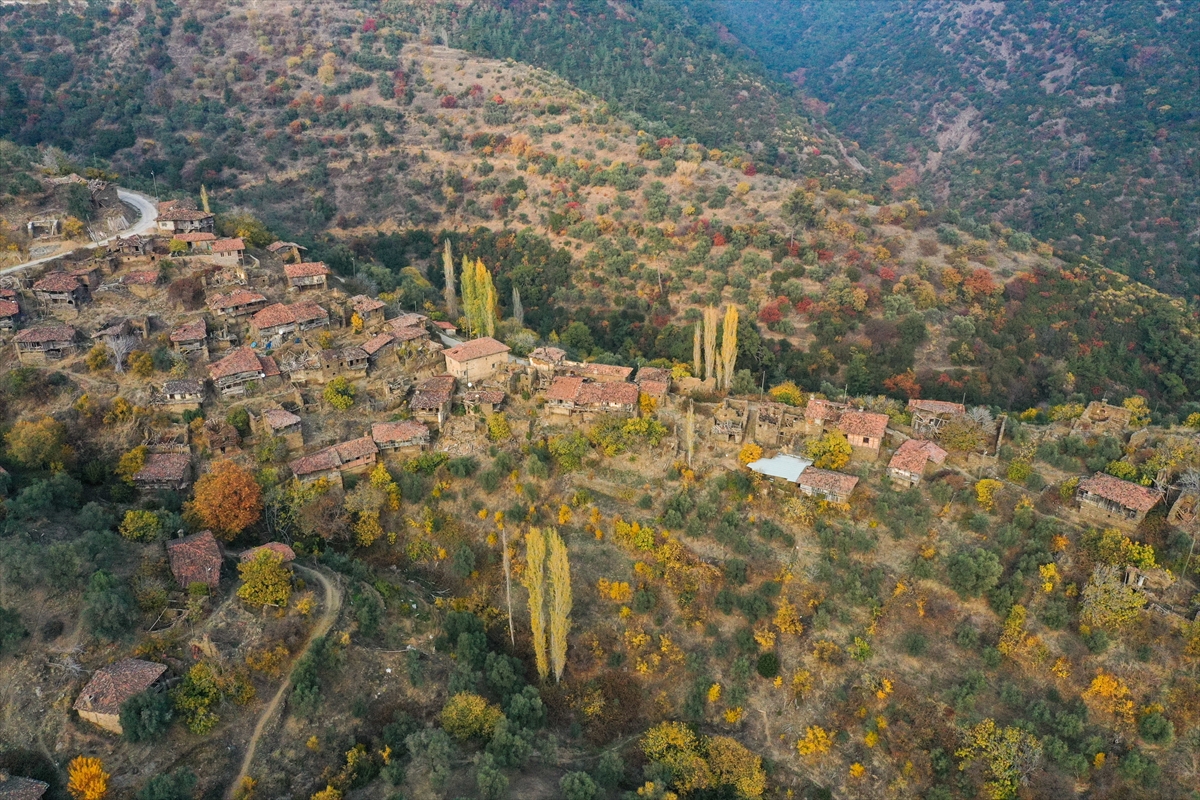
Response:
column 535, row 582
column 448, row 273
column 86, row 779
column 469, row 294
column 697, row 351
column 729, row 346
column 560, row 603
column 710, row 343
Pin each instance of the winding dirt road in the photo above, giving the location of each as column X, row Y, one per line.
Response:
column 333, row 605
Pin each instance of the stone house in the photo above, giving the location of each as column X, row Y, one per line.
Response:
column 196, row 242
column 400, row 435
column 833, row 486
column 432, row 400
column 347, row 362
column 164, row 471
column 237, row 303
column 181, row 395
column 195, row 559
column 483, row 401
column 729, row 420
column 547, row 360
column 241, row 366
column 191, row 338
column 287, row 251
column 284, row 424
column 573, row 395
column 777, row 424
column 909, row 461
column 49, row 343
column 60, row 290
column 448, row 328
column 864, row 430
column 277, row 320
column 134, row 245
column 306, row 276
column 598, row 373
column 10, row 312
column 223, row 439
column 928, row 416
column 369, row 310
column 356, row 455
column 477, row 359
column 819, row 414
column 182, row 216
column 378, row 346
column 101, row 699
column 1108, row 500
column 142, row 283
column 228, row 252
column 315, row 466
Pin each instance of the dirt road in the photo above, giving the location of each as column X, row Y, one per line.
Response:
column 333, row 605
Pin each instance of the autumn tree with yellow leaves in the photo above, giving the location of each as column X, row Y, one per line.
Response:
column 534, row 579
column 86, row 779
column 266, row 580
column 560, row 603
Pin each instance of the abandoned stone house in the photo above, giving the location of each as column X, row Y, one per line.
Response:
column 911, row 458
column 195, row 242
column 237, row 303
column 378, row 346
column 777, row 424
column 835, row 487
column 368, row 309
column 477, row 359
column 241, row 366
column 182, row 216
column 864, row 430
column 575, row 395
column 482, row 401
column 598, row 373
column 346, row 362
column 191, row 338
column 167, row 471
column 729, row 420
column 545, row 360
column 228, row 252
column 184, row 394
column 432, row 400
column 10, row 313
column 48, row 343
column 400, row 435
column 306, row 276
column 356, row 455
column 195, row 559
column 277, row 321
column 928, row 416
column 60, row 290
column 1109, row 500
column 819, row 414
column 101, row 699
column 284, row 424
column 287, row 251
column 133, row 245
column 142, row 283
column 222, row 438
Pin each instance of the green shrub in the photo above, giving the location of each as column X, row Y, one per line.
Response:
column 145, row 716
column 768, row 665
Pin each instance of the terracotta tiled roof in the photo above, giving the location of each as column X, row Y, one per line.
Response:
column 356, row 449
column 656, row 374
column 268, row 366
column 238, row 297
column 277, row 419
column 111, row 686
column 913, row 455
column 49, row 333
column 183, row 386
column 320, row 461
column 590, row 370
column 408, row 319
column 445, row 326
column 348, row 354
column 9, row 308
column 407, row 431
column 307, row 269
column 308, row 312
column 166, row 206
column 239, row 360
column 490, row 396
column 278, row 548
column 192, row 331
column 228, row 245
column 8, row 294
column 195, row 559
column 273, row 316
column 183, row 215
column 824, row 480
column 57, row 282
column 564, row 389
column 1126, row 494
column 936, row 407
column 14, row 787
column 165, row 467
column 551, row 354
column 654, row 388
column 376, row 343
column 476, row 348
column 818, row 409
column 863, row 423
column 409, row 333
column 145, row 277
column 365, row 305
column 275, row 247
column 608, row 393
column 433, row 392
column 192, row 238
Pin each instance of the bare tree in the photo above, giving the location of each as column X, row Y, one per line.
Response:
column 121, row 347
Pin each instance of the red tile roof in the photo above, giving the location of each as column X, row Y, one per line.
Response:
column 57, row 282
column 1126, row 494
column 278, row 419
column 433, row 392
column 308, row 312
column 936, row 407
column 192, row 331
column 268, row 366
column 49, row 333
column 821, row 410
column 9, row 308
column 177, row 214
column 111, row 686
column 239, row 360
column 408, row 319
column 376, row 343
column 913, row 455
column 307, row 269
column 863, row 423
column 476, row 348
column 446, row 326
column 365, row 305
column 228, row 246
column 608, row 393
column 407, row 431
column 490, row 396
column 320, row 461
column 356, row 449
column 590, row 370
column 275, row 247
column 165, row 467
column 195, row 559
column 272, row 316
column 15, row 787
column 8, row 294
column 824, row 480
column 409, row 333
column 656, row 374
column 654, row 388
column 146, row 277
column 564, row 389
column 238, row 297
column 278, row 548
column 192, row 238
column 183, row 386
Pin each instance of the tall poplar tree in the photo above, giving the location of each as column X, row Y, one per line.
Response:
column 697, row 352
column 729, row 345
column 448, row 273
column 711, row 318
column 560, row 603
column 535, row 581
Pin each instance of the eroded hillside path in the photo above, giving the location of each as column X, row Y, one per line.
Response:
column 332, row 607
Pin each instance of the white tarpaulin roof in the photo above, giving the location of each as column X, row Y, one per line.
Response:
column 781, row 466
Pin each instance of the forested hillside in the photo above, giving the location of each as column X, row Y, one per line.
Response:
column 1075, row 121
